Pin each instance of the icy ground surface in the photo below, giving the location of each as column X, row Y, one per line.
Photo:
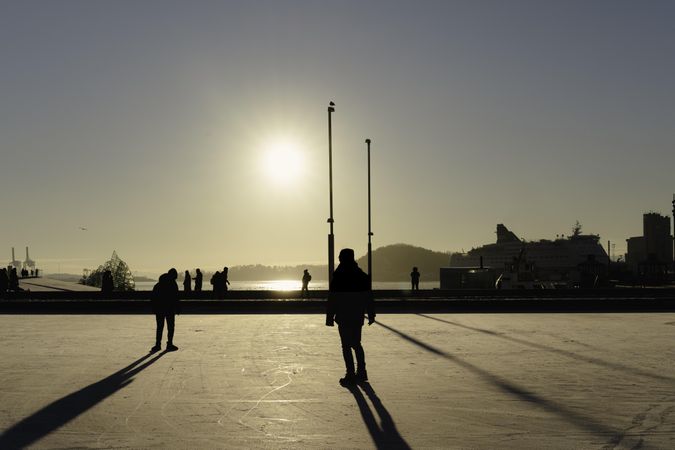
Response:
column 591, row 381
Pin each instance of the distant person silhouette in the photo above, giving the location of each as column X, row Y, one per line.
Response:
column 350, row 297
column 415, row 279
column 225, row 281
column 4, row 282
column 306, row 278
column 107, row 283
column 165, row 305
column 216, row 282
column 36, row 272
column 187, row 282
column 198, row 281
column 13, row 280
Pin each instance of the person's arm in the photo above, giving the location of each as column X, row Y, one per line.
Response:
column 370, row 307
column 370, row 302
column 177, row 300
column 330, row 309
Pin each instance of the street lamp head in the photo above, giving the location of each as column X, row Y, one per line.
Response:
column 331, row 107
column 367, row 141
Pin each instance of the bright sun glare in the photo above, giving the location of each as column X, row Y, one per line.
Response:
column 282, row 162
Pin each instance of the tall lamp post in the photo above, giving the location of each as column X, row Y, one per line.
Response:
column 331, row 237
column 673, row 236
column 370, row 232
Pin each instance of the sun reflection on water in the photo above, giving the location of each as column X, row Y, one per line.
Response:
column 280, row 285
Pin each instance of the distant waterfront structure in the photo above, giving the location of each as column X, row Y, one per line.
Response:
column 650, row 255
column 28, row 263
column 14, row 262
column 557, row 259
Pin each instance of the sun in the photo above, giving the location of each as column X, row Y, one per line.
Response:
column 282, row 162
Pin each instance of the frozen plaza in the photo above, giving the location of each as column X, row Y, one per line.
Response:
column 591, row 381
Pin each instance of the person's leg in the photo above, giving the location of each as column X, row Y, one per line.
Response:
column 360, row 354
column 159, row 319
column 170, row 323
column 345, row 340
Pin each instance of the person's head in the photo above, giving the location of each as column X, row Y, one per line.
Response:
column 415, row 269
column 225, row 269
column 187, row 272
column 198, row 271
column 173, row 273
column 346, row 256
column 306, row 270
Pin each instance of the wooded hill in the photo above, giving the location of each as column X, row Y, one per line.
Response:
column 390, row 263
column 395, row 262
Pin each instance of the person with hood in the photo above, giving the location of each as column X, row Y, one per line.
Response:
column 350, row 297
column 216, row 282
column 306, row 278
column 415, row 279
column 165, row 305
column 198, row 281
column 187, row 282
column 107, row 282
column 4, row 282
column 13, row 280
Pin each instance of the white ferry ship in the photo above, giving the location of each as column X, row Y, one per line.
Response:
column 553, row 259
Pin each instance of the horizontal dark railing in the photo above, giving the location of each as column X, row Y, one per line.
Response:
column 378, row 294
column 290, row 302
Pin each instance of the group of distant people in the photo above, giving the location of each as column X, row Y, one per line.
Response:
column 220, row 282
column 349, row 299
column 187, row 281
column 25, row 273
column 9, row 280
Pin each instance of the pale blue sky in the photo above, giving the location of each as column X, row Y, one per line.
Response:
column 147, row 122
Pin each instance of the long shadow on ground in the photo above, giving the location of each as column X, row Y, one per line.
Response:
column 384, row 434
column 56, row 414
column 612, row 435
column 578, row 357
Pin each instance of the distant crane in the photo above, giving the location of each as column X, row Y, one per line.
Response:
column 14, row 262
column 28, row 262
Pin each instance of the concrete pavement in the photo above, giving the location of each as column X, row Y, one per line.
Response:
column 270, row 381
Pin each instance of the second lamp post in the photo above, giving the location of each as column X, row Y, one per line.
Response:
column 370, row 232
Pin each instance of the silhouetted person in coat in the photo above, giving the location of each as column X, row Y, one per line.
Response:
column 107, row 283
column 349, row 299
column 187, row 282
column 198, row 281
column 4, row 282
column 165, row 305
column 13, row 280
column 225, row 281
column 415, row 279
column 306, row 278
column 216, row 282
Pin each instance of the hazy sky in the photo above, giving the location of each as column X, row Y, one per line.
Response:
column 151, row 124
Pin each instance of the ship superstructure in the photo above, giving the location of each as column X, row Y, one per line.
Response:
column 553, row 259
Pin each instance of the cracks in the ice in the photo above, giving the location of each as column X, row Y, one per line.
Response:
column 633, row 436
